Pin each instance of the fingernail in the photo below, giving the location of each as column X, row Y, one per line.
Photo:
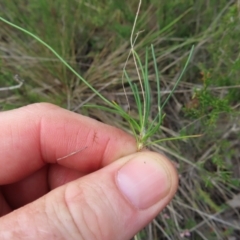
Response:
column 143, row 181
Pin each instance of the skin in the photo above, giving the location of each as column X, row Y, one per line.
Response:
column 46, row 194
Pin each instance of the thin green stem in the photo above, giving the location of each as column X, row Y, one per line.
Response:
column 175, row 138
column 60, row 58
column 180, row 76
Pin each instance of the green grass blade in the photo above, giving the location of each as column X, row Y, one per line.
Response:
column 138, row 102
column 158, row 83
column 136, row 96
column 143, row 91
column 59, row 57
column 175, row 138
column 180, row 76
column 119, row 111
column 147, row 91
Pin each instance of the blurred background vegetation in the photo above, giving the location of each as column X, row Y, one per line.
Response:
column 93, row 37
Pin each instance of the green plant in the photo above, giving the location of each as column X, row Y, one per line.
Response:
column 142, row 128
column 205, row 106
column 92, row 36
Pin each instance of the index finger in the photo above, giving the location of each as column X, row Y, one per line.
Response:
column 42, row 133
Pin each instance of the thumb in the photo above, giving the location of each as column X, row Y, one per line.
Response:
column 114, row 202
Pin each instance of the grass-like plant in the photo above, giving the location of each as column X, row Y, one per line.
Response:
column 142, row 127
column 209, row 102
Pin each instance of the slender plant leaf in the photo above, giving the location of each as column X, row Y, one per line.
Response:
column 180, row 76
column 142, row 127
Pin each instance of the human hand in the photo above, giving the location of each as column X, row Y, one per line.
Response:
column 105, row 191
